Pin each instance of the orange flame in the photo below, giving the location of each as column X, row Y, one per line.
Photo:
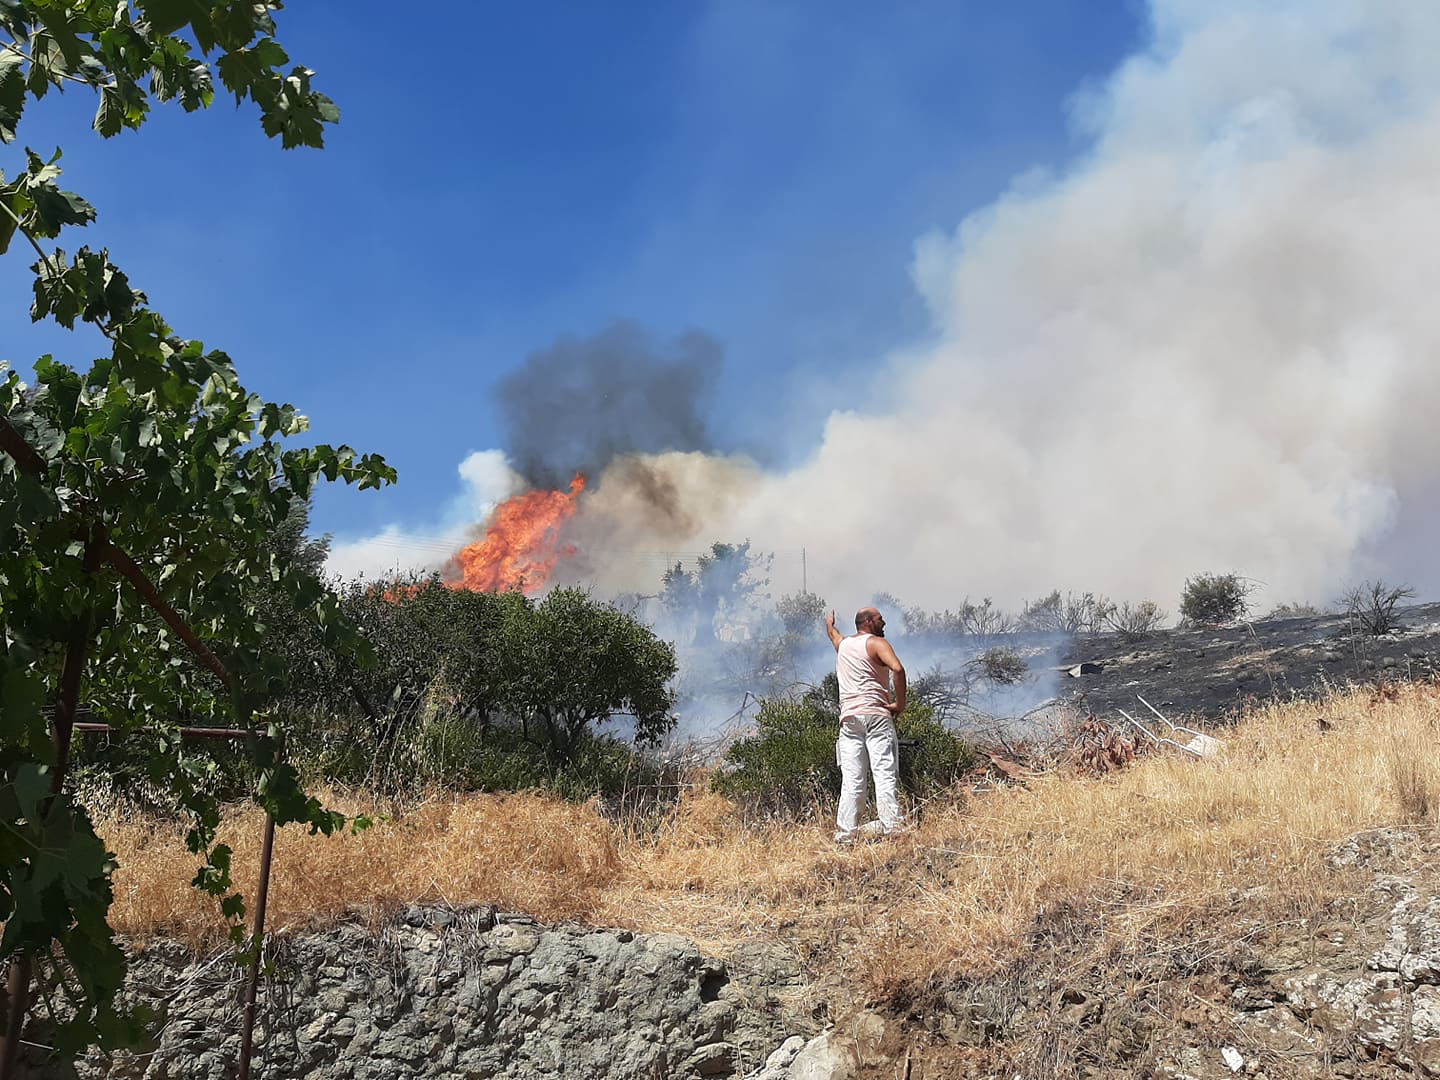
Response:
column 522, row 543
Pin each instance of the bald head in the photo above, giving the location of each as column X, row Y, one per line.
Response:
column 868, row 620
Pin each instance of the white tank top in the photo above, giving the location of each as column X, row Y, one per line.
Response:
column 864, row 683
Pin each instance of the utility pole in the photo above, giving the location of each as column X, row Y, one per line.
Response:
column 804, row 584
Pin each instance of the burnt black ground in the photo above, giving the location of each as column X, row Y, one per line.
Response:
column 1213, row 674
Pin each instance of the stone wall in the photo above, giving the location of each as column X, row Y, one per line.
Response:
column 467, row 995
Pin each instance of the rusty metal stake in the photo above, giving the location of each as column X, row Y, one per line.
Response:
column 262, row 898
column 262, row 892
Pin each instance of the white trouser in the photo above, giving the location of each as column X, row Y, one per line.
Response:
column 867, row 744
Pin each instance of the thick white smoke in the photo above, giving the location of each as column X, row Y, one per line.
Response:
column 1209, row 344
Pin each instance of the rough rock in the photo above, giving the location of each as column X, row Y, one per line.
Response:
column 825, row 1057
column 777, row 1065
column 836, row 1054
column 1392, row 1007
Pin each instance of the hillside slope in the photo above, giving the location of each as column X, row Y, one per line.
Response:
column 1276, row 900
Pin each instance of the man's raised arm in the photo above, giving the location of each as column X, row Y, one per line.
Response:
column 835, row 636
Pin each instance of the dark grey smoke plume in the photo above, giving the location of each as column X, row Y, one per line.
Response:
column 582, row 402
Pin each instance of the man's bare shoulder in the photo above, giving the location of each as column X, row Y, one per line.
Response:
column 880, row 649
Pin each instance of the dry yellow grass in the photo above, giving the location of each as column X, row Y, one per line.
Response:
column 1146, row 850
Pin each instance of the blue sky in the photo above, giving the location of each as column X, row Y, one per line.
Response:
column 505, row 175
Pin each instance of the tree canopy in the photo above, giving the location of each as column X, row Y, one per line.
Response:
column 569, row 663
column 552, row 670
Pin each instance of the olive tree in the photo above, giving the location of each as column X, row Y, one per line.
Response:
column 500, row 665
column 566, row 663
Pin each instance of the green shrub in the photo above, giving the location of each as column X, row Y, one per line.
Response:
column 441, row 749
column 787, row 767
column 932, row 757
column 114, row 771
column 453, row 754
column 1215, row 599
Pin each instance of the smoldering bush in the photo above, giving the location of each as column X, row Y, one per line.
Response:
column 1005, row 667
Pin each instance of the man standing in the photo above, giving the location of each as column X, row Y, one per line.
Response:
column 864, row 664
